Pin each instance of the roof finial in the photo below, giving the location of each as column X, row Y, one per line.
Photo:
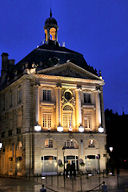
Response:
column 50, row 12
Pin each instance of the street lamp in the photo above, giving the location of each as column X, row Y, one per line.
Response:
column 81, row 129
column 37, row 127
column 98, row 157
column 111, row 149
column 100, row 129
column 59, row 128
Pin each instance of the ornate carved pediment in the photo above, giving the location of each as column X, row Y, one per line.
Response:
column 68, row 70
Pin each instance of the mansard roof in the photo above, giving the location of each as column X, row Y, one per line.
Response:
column 47, row 55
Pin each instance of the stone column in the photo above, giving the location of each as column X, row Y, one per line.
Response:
column 98, row 110
column 78, row 107
column 58, row 106
column 27, row 105
column 102, row 108
column 37, row 99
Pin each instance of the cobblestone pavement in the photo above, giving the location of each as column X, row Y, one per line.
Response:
column 58, row 184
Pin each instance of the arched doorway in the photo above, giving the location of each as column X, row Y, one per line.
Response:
column 71, row 154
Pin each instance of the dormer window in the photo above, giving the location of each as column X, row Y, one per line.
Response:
column 46, row 95
column 87, row 98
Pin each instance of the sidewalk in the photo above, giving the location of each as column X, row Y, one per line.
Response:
column 59, row 184
column 84, row 184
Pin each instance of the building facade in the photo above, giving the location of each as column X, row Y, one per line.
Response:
column 51, row 111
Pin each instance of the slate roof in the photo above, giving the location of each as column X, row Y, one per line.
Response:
column 47, row 55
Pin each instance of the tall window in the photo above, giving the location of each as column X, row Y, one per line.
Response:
column 87, row 122
column 71, row 144
column 49, row 143
column 87, row 98
column 47, row 120
column 67, row 118
column 10, row 104
column 19, row 95
column 19, row 119
column 46, row 95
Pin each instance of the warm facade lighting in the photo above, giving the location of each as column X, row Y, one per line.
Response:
column 37, row 127
column 59, row 128
column 100, row 129
column 81, row 128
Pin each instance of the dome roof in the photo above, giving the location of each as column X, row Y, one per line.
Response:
column 50, row 21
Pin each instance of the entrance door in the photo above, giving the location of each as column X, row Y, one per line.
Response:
column 72, row 160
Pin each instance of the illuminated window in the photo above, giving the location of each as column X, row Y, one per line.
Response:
column 71, row 144
column 46, row 95
column 19, row 119
column 67, row 117
column 53, row 34
column 49, row 143
column 87, row 98
column 91, row 143
column 87, row 122
column 19, row 146
column 47, row 120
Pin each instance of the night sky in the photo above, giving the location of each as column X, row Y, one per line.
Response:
column 96, row 28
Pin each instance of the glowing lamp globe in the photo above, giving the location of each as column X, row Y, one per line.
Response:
column 81, row 128
column 37, row 128
column 59, row 128
column 100, row 129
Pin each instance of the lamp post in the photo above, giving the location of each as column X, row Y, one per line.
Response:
column 98, row 157
column 111, row 160
column 63, row 149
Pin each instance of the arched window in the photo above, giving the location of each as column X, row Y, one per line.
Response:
column 48, row 143
column 67, row 118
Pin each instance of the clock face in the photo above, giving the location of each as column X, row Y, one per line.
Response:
column 68, row 95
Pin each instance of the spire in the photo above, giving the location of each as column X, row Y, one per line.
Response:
column 50, row 12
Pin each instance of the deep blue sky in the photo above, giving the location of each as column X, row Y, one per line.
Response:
column 96, row 28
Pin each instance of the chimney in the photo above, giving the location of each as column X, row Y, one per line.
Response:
column 4, row 61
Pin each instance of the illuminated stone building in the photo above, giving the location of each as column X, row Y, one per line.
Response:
column 51, row 111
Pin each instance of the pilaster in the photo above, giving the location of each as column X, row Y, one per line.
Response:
column 58, row 106
column 27, row 105
column 78, row 108
column 98, row 110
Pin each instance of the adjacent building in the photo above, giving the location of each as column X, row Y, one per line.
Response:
column 51, row 111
